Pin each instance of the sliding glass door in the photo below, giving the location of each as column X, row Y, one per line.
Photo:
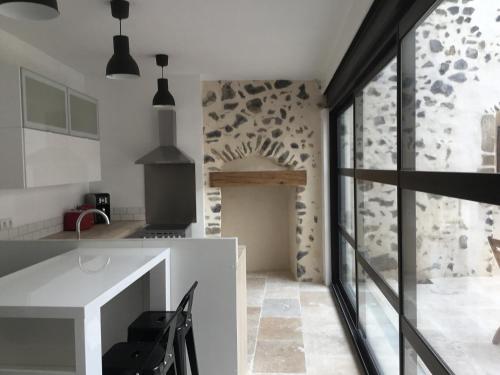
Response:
column 368, row 214
column 417, row 239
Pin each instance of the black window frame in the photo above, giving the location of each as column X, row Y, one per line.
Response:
column 477, row 187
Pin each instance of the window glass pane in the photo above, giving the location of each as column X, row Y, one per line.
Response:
column 380, row 324
column 378, row 228
column 376, row 121
column 346, row 138
column 348, row 271
column 346, row 204
column 451, row 292
column 413, row 364
column 450, row 88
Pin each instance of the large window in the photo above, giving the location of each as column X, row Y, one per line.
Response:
column 378, row 228
column 379, row 324
column 454, row 299
column 368, row 215
column 346, row 138
column 418, row 190
column 348, row 277
column 376, row 121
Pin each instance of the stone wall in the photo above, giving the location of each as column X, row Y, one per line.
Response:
column 458, row 98
column 279, row 120
column 376, row 148
column 457, row 117
column 457, row 70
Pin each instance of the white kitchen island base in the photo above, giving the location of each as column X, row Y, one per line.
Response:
column 72, row 288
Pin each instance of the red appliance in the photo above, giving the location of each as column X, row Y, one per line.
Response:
column 71, row 216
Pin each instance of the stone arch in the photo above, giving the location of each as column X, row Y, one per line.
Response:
column 275, row 153
column 279, row 121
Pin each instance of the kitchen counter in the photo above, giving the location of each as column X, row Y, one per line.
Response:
column 68, row 285
column 116, row 230
column 76, row 285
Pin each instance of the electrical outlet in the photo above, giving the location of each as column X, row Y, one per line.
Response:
column 5, row 223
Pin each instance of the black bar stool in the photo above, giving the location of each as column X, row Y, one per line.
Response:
column 156, row 357
column 147, row 326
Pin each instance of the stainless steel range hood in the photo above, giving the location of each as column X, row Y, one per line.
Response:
column 169, row 179
column 167, row 152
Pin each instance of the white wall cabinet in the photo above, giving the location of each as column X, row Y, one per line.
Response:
column 33, row 158
column 42, row 142
column 56, row 159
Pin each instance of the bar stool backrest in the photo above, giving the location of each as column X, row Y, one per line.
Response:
column 187, row 300
column 166, row 339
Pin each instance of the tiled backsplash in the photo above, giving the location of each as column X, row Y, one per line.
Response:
column 128, row 213
column 43, row 228
column 33, row 231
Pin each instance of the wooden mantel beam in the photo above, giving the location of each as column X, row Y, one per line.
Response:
column 269, row 178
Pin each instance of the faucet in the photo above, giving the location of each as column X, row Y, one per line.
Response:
column 92, row 210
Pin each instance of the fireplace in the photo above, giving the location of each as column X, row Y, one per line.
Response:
column 260, row 213
column 267, row 135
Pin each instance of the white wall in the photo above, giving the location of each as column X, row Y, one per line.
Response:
column 341, row 41
column 31, row 205
column 129, row 130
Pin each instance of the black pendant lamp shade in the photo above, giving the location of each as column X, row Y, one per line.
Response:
column 163, row 99
column 29, row 9
column 121, row 65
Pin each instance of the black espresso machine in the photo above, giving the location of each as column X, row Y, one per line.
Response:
column 101, row 201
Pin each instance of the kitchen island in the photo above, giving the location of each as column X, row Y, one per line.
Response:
column 214, row 263
column 73, row 287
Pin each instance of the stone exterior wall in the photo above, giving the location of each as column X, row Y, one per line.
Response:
column 458, row 100
column 376, row 148
column 279, row 120
column 376, row 134
column 457, row 117
column 457, row 70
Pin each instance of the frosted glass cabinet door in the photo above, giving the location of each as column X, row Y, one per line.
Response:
column 84, row 121
column 44, row 103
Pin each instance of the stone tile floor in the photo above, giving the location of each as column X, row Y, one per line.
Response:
column 294, row 328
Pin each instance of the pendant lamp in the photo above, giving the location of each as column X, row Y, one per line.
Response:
column 29, row 9
column 121, row 65
column 163, row 99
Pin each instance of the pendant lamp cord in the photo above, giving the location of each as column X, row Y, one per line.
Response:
column 120, row 26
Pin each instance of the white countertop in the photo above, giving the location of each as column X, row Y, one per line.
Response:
column 68, row 285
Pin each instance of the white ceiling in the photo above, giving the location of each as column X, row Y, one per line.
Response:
column 219, row 39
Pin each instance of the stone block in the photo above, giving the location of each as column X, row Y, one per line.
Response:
column 487, row 170
column 488, row 133
column 488, row 160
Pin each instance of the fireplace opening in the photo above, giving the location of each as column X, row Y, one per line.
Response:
column 262, row 217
